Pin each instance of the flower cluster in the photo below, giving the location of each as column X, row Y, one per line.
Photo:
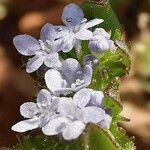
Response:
column 55, row 111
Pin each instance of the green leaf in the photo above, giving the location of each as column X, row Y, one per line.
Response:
column 111, row 65
column 94, row 138
column 117, row 35
column 119, row 133
column 115, row 107
column 100, row 139
column 104, row 11
column 41, row 142
column 84, row 52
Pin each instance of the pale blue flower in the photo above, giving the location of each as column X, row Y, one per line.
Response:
column 66, row 116
column 77, row 25
column 91, row 104
column 37, row 114
column 76, row 113
column 90, row 60
column 73, row 120
column 70, row 78
column 43, row 51
column 69, row 125
column 101, row 41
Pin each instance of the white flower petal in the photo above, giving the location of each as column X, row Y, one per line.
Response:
column 97, row 98
column 63, row 40
column 54, row 104
column 52, row 61
column 87, row 74
column 105, row 123
column 67, row 108
column 90, row 60
column 84, row 34
column 54, row 36
column 91, row 23
column 43, row 98
column 73, row 130
column 26, row 45
column 98, row 44
column 28, row 110
column 112, row 45
column 35, row 63
column 61, row 30
column 93, row 114
column 54, row 80
column 55, row 126
column 68, row 44
column 102, row 32
column 72, row 15
column 26, row 125
column 67, row 47
column 56, row 45
column 70, row 67
column 64, row 91
column 86, row 77
column 101, row 41
column 82, row 98
column 47, row 32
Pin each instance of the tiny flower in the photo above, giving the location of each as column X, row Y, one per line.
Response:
column 73, row 120
column 70, row 78
column 90, row 60
column 43, row 51
column 69, row 125
column 67, row 38
column 76, row 113
column 91, row 103
column 77, row 25
column 100, row 41
column 37, row 114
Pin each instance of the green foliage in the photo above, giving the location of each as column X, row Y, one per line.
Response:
column 104, row 11
column 71, row 54
column 119, row 134
column 100, row 139
column 111, row 65
column 94, row 138
column 41, row 142
column 117, row 35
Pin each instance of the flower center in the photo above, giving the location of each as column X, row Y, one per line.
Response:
column 77, row 83
column 43, row 47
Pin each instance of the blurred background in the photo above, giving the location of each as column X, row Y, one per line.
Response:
column 16, row 86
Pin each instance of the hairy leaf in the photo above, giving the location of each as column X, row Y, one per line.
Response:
column 101, row 139
column 119, row 133
column 94, row 138
column 111, row 65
